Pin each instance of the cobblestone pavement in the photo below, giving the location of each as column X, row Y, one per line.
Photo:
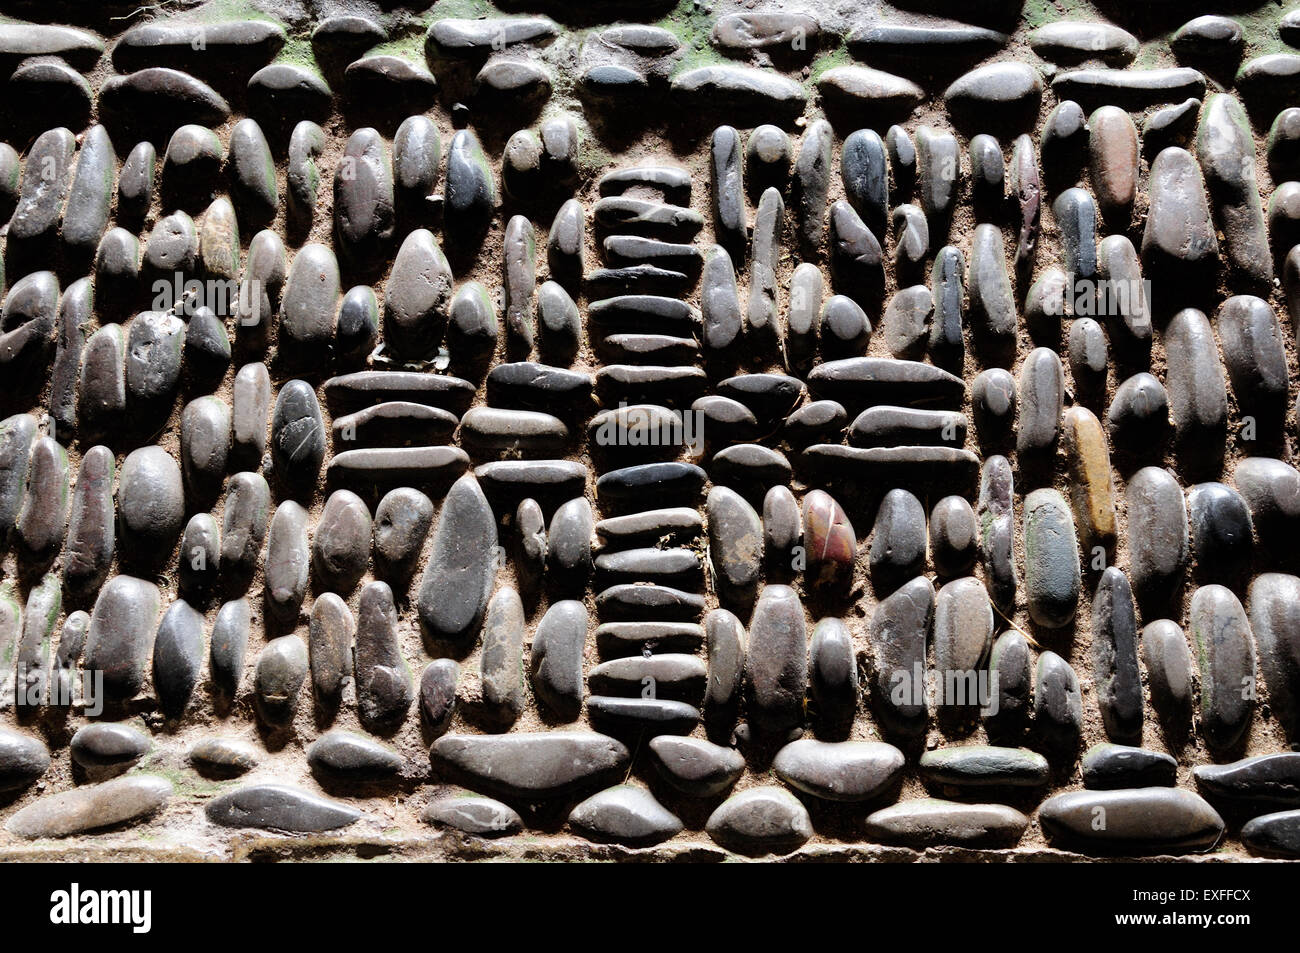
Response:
column 637, row 430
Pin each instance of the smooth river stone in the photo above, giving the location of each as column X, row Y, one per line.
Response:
column 1113, row 157
column 1009, row 665
column 1092, row 493
column 898, row 540
column 121, row 801
column 1274, row 609
column 384, row 689
column 1198, row 396
column 92, row 529
column 735, row 545
column 417, row 297
column 929, row 822
column 1040, row 394
column 309, row 304
column 1169, row 674
column 297, row 438
column 1179, row 240
column 329, row 646
column 1225, row 651
column 1003, row 95
column 177, row 657
column 200, row 553
column 462, row 564
column 341, row 542
column 473, row 814
column 17, row 437
column 229, row 647
column 696, row 767
column 243, row 526
column 1273, row 835
column 1058, row 705
column 727, row 646
column 1222, row 535
column 938, row 159
column 776, row 667
column 279, row 807
column 761, row 820
column 983, row 766
column 288, row 561
column 1158, row 537
column 23, row 760
column 531, row 766
column 1108, row 767
column 996, row 518
column 831, row 545
column 121, row 634
column 1255, row 355
column 402, row 522
column 43, row 517
column 501, row 663
column 840, row 771
column 1225, row 149
column 1255, row 785
column 626, row 814
column 963, row 635
column 833, row 675
column 555, row 660
column 1154, row 820
column 363, row 198
column 438, row 686
column 1114, row 658
column 899, row 630
column 344, row 756
column 1052, row 571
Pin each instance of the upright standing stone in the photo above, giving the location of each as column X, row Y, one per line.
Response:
column 462, row 564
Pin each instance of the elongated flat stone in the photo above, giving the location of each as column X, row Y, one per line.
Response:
column 875, row 92
column 1110, row 767
column 1128, row 88
column 741, row 89
column 531, row 766
column 867, row 381
column 351, row 392
column 473, row 814
column 1140, row 821
column 983, row 766
column 346, row 756
column 177, row 657
column 279, row 807
column 122, row 801
column 928, row 822
column 1273, row 835
column 1253, row 786
column 776, row 667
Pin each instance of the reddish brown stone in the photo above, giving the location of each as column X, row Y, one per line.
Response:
column 831, row 543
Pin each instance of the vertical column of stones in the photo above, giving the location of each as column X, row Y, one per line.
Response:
column 649, row 571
